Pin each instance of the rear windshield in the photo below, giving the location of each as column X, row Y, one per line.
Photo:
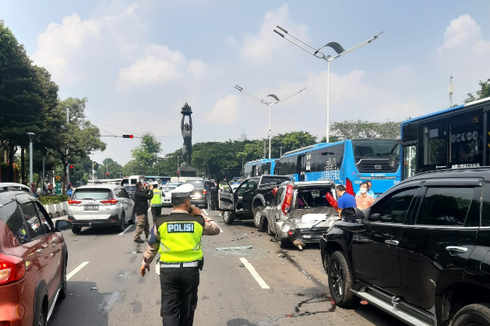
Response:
column 130, row 188
column 196, row 183
column 92, row 193
column 312, row 197
column 274, row 179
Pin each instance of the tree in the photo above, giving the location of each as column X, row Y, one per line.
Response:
column 77, row 137
column 21, row 101
column 109, row 166
column 482, row 93
column 146, row 153
column 366, row 129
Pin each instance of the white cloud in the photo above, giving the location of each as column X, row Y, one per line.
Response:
column 260, row 48
column 197, row 68
column 460, row 31
column 226, row 110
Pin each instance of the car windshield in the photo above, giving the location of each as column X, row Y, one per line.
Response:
column 196, row 183
column 92, row 193
column 312, row 197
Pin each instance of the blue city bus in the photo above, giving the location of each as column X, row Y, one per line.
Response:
column 458, row 137
column 258, row 167
column 348, row 162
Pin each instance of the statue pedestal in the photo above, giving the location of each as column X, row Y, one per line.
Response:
column 187, row 171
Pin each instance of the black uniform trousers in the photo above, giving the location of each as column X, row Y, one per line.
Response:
column 179, row 295
column 155, row 211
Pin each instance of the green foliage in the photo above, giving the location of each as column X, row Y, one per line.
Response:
column 482, row 93
column 365, row 129
column 146, row 153
column 48, row 200
column 111, row 166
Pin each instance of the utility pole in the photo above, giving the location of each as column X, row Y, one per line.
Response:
column 280, row 155
column 450, row 91
column 264, row 149
column 66, row 152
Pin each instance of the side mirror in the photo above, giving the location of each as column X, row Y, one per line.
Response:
column 62, row 225
column 351, row 214
column 391, row 160
column 374, row 217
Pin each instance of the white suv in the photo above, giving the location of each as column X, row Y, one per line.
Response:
column 100, row 206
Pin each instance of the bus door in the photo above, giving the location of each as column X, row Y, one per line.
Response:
column 300, row 167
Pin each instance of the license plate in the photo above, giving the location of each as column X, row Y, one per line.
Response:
column 195, row 196
column 91, row 207
column 307, row 236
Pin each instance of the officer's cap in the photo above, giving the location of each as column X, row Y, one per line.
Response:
column 182, row 191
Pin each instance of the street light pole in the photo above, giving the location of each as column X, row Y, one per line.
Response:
column 31, row 134
column 320, row 55
column 270, row 105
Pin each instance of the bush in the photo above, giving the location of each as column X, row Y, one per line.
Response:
column 48, row 200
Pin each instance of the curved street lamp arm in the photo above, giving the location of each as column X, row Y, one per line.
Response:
column 251, row 95
column 360, row 45
column 312, row 50
column 289, row 96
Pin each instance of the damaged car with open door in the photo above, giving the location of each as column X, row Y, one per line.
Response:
column 299, row 213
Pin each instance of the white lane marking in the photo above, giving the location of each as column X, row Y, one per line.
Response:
column 204, row 211
column 127, row 228
column 254, row 273
column 76, row 270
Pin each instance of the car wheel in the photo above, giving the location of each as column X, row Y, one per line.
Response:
column 340, row 281
column 228, row 217
column 133, row 218
column 473, row 315
column 40, row 319
column 284, row 243
column 76, row 229
column 64, row 286
column 123, row 222
column 258, row 217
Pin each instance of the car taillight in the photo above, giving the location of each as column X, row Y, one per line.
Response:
column 110, row 201
column 204, row 192
column 348, row 187
column 74, row 202
column 12, row 269
column 287, row 200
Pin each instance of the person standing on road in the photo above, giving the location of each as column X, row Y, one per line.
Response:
column 345, row 200
column 364, row 200
column 156, row 203
column 177, row 237
column 141, row 197
column 370, row 192
column 69, row 190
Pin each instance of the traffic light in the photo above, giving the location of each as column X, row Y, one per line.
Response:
column 127, row 136
column 107, row 174
column 72, row 167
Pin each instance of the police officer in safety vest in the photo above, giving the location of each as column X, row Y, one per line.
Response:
column 177, row 237
column 156, row 202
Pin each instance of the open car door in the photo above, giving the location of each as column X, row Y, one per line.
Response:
column 226, row 198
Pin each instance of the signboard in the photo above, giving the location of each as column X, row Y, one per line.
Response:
column 58, row 178
column 57, row 188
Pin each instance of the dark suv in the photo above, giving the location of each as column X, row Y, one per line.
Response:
column 421, row 252
column 33, row 258
column 199, row 195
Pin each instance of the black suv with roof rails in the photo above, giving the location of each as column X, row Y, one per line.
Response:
column 421, row 252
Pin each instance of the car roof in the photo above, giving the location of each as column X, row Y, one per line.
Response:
column 477, row 172
column 10, row 190
column 112, row 187
column 304, row 184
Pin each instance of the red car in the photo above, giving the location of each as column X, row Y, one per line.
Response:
column 33, row 258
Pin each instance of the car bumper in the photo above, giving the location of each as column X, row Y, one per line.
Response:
column 307, row 235
column 13, row 309
column 199, row 201
column 112, row 220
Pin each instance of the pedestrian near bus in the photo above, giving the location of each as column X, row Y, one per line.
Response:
column 177, row 237
column 141, row 197
column 369, row 190
column 345, row 200
column 363, row 199
column 156, row 203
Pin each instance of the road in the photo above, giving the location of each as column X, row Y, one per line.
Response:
column 105, row 288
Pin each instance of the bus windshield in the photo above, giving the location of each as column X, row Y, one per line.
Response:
column 372, row 148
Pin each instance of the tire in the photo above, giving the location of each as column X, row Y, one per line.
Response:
column 123, row 222
column 64, row 286
column 477, row 314
column 228, row 217
column 40, row 318
column 76, row 229
column 258, row 217
column 133, row 218
column 285, row 243
column 340, row 281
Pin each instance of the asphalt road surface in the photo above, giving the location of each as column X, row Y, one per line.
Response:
column 260, row 286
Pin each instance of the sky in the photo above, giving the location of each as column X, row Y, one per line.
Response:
column 138, row 62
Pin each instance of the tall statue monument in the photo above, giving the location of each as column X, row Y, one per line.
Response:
column 186, row 129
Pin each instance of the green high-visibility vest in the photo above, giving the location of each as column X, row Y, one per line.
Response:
column 156, row 201
column 180, row 237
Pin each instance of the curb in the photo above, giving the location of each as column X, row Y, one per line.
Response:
column 57, row 210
